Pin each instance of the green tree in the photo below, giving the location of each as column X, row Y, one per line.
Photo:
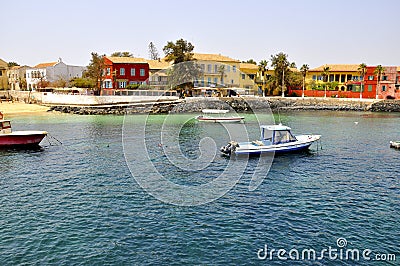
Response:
column 325, row 75
column 304, row 70
column 379, row 71
column 11, row 64
column 95, row 71
column 122, row 54
column 221, row 71
column 263, row 68
column 362, row 69
column 250, row 61
column 281, row 65
column 178, row 52
column 83, row 83
column 184, row 70
column 153, row 53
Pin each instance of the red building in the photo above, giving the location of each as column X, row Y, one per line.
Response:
column 120, row 72
column 388, row 87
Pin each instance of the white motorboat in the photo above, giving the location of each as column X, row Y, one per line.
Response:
column 274, row 138
column 218, row 116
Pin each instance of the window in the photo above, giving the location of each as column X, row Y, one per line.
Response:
column 209, row 80
column 142, row 73
column 243, row 76
column 1, row 72
column 342, row 78
column 216, row 81
column 369, row 87
column 203, row 67
column 27, row 75
column 228, row 68
column 108, row 71
column 231, row 81
column 122, row 71
column 234, row 68
column 370, row 77
column 314, row 77
column 107, row 84
column 133, row 72
column 122, row 84
column 384, row 78
column 209, row 68
column 215, row 68
column 384, row 88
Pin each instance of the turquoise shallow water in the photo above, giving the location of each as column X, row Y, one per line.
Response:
column 78, row 204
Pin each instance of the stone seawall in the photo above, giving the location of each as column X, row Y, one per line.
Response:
column 195, row 105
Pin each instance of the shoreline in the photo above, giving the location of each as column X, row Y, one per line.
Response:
column 196, row 105
column 12, row 109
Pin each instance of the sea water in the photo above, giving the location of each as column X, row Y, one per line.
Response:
column 80, row 203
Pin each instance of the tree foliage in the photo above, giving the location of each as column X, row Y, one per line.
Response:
column 83, row 83
column 178, row 52
column 184, row 70
column 282, row 66
column 250, row 61
column 153, row 53
column 11, row 64
column 95, row 71
column 122, row 54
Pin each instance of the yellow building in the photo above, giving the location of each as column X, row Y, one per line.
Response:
column 342, row 76
column 3, row 75
column 158, row 74
column 219, row 70
column 248, row 76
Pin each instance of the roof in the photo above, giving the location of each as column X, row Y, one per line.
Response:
column 214, row 57
column 158, row 64
column 337, row 68
column 248, row 66
column 44, row 65
column 276, row 127
column 122, row 60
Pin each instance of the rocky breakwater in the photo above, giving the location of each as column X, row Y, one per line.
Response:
column 122, row 109
column 239, row 104
column 386, row 106
column 248, row 104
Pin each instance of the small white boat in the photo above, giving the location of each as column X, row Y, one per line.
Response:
column 274, row 138
column 219, row 116
column 395, row 144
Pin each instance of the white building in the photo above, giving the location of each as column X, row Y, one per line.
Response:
column 52, row 72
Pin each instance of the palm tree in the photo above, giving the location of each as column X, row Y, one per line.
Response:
column 362, row 69
column 304, row 69
column 379, row 70
column 221, row 71
column 281, row 64
column 263, row 67
column 325, row 75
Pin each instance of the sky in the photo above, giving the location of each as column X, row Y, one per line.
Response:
column 313, row 32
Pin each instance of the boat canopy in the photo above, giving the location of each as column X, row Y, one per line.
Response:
column 277, row 134
column 275, row 127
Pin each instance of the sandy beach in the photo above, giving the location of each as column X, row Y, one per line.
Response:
column 14, row 109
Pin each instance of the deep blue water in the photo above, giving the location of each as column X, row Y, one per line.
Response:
column 78, row 203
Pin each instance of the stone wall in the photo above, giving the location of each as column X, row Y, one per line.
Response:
column 196, row 105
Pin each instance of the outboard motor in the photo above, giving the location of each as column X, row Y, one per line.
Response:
column 229, row 148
